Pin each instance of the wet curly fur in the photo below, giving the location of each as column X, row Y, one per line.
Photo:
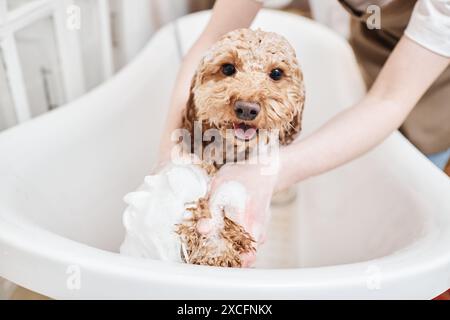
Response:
column 202, row 249
column 212, row 97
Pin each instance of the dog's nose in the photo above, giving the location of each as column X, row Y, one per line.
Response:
column 246, row 110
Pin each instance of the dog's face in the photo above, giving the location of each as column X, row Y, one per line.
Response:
column 248, row 81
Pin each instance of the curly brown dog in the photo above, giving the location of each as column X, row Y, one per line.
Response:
column 248, row 81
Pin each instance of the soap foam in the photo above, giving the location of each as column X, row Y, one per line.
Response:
column 156, row 207
column 160, row 204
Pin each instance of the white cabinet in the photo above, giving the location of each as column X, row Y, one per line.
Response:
column 53, row 51
column 95, row 41
column 7, row 112
column 42, row 75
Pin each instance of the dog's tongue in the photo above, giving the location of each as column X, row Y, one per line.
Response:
column 244, row 131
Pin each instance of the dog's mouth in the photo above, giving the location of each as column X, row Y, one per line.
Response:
column 244, row 131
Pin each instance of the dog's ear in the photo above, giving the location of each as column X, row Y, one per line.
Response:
column 295, row 126
column 190, row 113
column 298, row 101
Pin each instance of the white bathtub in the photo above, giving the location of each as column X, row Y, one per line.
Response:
column 376, row 228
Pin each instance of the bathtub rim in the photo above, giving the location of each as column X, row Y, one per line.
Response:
column 425, row 257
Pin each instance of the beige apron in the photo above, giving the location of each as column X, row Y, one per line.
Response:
column 428, row 125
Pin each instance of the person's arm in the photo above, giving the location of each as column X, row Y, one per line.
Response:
column 227, row 15
column 406, row 76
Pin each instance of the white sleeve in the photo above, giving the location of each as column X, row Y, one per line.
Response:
column 430, row 25
column 274, row 3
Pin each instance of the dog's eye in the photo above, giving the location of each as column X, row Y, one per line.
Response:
column 276, row 74
column 228, row 69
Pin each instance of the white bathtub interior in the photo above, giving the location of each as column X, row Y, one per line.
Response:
column 63, row 175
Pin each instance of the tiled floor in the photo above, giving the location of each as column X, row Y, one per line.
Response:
column 24, row 294
column 444, row 296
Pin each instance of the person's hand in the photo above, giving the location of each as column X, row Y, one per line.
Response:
column 258, row 184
